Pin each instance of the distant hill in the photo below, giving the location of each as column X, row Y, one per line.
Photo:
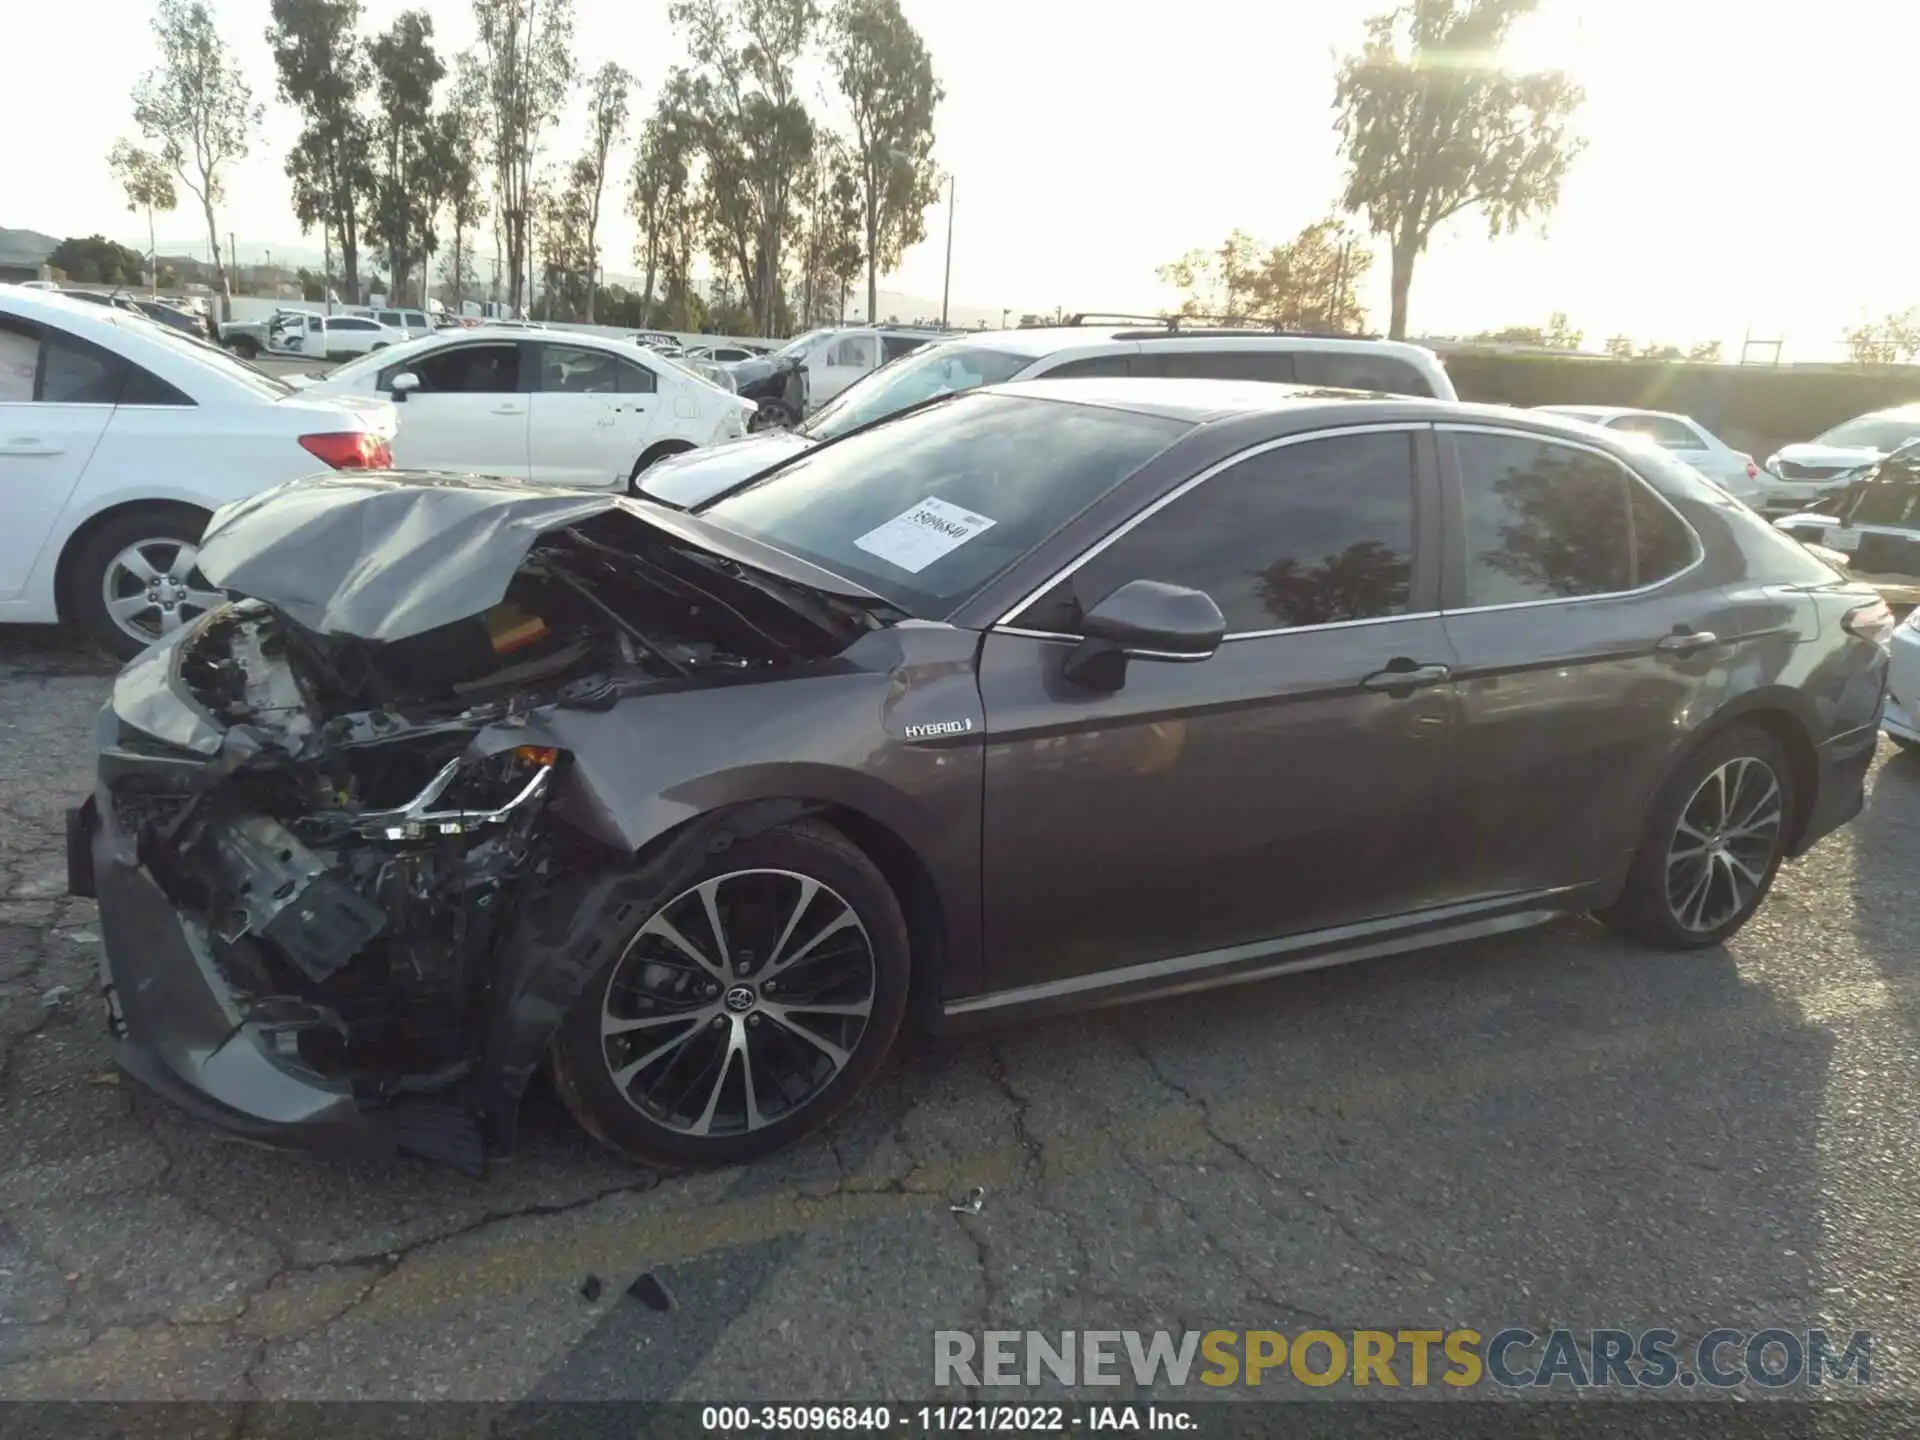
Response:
column 25, row 247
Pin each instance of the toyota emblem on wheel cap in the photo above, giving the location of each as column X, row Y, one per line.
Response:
column 740, row 999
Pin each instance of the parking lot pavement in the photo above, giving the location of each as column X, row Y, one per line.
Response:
column 1553, row 1129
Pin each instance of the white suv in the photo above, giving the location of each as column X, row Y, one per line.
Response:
column 991, row 357
column 413, row 323
column 839, row 357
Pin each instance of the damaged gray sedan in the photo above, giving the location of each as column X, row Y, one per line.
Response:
column 1044, row 695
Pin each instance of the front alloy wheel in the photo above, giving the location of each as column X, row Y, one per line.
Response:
column 738, row 1002
column 744, row 1012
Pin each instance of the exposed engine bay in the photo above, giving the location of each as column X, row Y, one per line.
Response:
column 366, row 817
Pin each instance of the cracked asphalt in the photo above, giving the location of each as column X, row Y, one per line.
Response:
column 1549, row 1129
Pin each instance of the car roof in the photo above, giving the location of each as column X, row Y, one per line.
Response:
column 1909, row 411
column 1612, row 412
column 88, row 317
column 1042, row 340
column 1203, row 402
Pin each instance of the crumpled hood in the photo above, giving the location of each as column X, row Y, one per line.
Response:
column 688, row 479
column 382, row 556
column 750, row 372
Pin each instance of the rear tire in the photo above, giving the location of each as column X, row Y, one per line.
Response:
column 785, row 1012
column 133, row 580
column 246, row 347
column 1713, row 842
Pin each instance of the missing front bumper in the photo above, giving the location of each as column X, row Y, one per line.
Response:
column 177, row 1027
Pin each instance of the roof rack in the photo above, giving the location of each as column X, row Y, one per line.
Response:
column 1214, row 325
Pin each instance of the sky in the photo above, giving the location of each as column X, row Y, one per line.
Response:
column 1740, row 174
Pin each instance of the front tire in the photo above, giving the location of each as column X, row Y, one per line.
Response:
column 653, row 457
column 1713, row 843
column 135, row 579
column 745, row 1012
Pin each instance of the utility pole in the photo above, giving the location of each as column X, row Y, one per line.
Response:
column 946, row 286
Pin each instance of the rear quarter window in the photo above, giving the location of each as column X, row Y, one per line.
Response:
column 1766, row 554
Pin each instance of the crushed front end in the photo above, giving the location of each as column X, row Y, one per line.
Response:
column 310, row 848
column 298, row 908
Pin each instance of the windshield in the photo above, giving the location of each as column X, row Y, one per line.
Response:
column 921, row 375
column 800, row 344
column 207, row 353
column 1872, row 432
column 926, row 510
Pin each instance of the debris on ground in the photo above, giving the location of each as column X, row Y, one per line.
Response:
column 648, row 1290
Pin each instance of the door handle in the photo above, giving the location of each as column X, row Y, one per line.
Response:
column 508, row 410
column 1405, row 676
column 30, row 445
column 1687, row 642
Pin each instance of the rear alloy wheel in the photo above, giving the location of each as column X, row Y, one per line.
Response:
column 746, row 1011
column 137, row 579
column 1713, row 846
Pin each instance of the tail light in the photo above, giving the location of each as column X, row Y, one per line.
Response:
column 1872, row 622
column 1753, row 471
column 350, row 450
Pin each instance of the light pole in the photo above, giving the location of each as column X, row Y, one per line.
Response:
column 946, row 284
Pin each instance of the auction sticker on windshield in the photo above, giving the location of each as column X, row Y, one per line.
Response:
column 915, row 539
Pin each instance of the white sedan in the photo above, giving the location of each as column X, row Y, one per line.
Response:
column 553, row 407
column 1682, row 437
column 118, row 438
column 339, row 337
column 1900, row 721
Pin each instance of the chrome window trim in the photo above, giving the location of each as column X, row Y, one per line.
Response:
column 1193, row 482
column 1068, row 637
column 1443, row 427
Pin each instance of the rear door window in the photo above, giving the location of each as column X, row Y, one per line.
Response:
column 19, row 360
column 1273, row 366
column 73, row 372
column 1088, row 365
column 1347, row 370
column 1541, row 521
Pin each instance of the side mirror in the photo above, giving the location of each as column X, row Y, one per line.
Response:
column 1144, row 619
column 403, row 385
